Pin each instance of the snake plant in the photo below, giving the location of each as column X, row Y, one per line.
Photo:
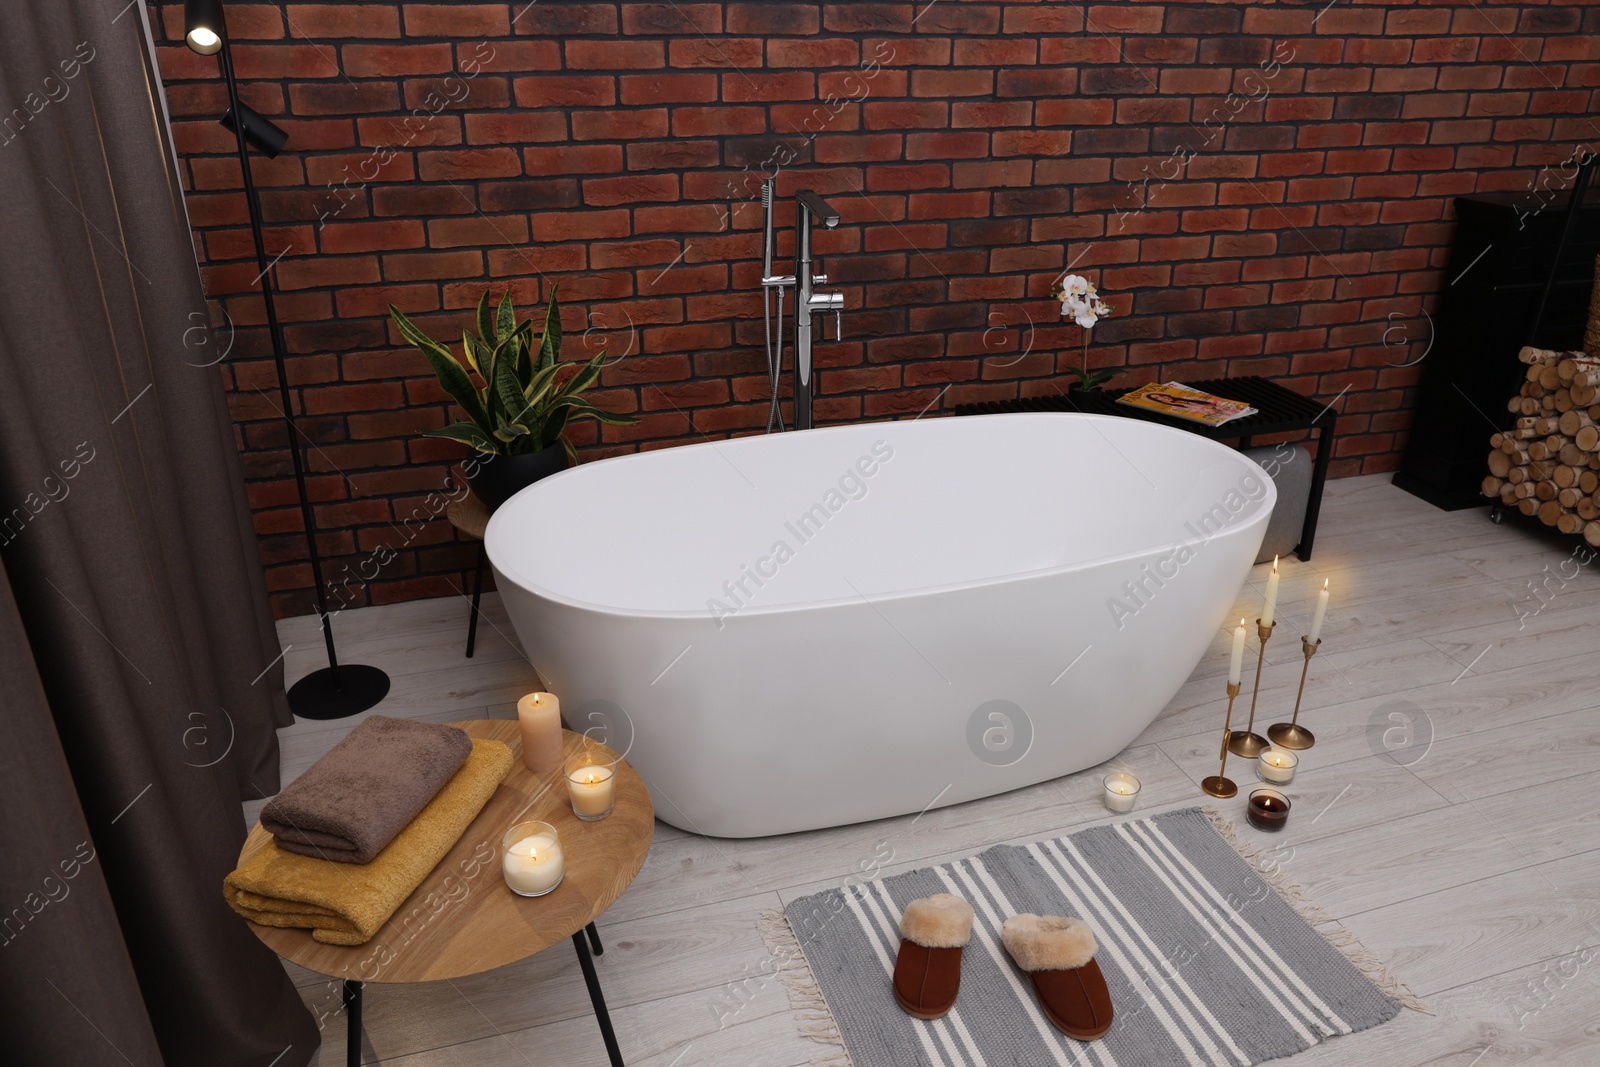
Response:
column 519, row 408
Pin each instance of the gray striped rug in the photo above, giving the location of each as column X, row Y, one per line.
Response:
column 1207, row 965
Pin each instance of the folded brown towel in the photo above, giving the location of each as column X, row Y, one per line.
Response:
column 357, row 797
column 345, row 904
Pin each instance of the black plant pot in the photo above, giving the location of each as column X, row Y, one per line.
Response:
column 499, row 478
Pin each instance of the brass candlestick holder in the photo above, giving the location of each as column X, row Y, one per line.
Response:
column 1291, row 734
column 1247, row 742
column 1219, row 785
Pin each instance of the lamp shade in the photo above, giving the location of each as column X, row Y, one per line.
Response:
column 202, row 25
column 266, row 136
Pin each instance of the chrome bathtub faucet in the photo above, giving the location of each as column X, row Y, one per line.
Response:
column 809, row 208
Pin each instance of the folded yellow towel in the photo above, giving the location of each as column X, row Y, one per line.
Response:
column 346, row 903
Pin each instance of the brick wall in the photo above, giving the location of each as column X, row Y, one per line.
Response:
column 1261, row 188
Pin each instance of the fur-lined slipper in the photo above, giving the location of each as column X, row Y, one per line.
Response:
column 1058, row 954
column 927, row 973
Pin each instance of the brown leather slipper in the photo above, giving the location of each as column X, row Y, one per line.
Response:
column 1058, row 955
column 927, row 973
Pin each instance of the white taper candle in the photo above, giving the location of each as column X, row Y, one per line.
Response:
column 1236, row 663
column 1271, row 606
column 1318, row 615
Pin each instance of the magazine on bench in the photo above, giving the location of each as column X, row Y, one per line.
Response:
column 1182, row 402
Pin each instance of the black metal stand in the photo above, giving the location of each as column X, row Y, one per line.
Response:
column 333, row 692
column 477, row 595
column 585, row 941
column 352, row 1018
column 596, row 997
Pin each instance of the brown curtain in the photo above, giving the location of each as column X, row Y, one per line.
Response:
column 139, row 696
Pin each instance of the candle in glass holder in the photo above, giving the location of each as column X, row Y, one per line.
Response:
column 531, row 858
column 591, row 783
column 1122, row 789
column 1268, row 809
column 1277, row 765
column 539, row 715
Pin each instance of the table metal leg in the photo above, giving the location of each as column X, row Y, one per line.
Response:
column 594, row 940
column 352, row 1018
column 597, row 998
column 1319, row 477
column 477, row 595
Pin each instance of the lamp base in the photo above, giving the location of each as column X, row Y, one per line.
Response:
column 359, row 688
column 1289, row 735
column 1218, row 786
column 1246, row 744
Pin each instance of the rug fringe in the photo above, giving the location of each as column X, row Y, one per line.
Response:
column 1366, row 961
column 805, row 995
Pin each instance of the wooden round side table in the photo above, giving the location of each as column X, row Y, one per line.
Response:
column 463, row 919
column 470, row 515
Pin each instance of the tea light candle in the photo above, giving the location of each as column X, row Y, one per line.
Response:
column 591, row 783
column 1271, row 606
column 1268, row 809
column 1277, row 765
column 539, row 715
column 532, row 859
column 1122, row 789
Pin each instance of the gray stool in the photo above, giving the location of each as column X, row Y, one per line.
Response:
column 1289, row 467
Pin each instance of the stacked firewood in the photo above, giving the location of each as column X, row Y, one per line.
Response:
column 1549, row 465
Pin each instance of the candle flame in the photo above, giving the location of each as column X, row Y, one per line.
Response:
column 593, row 778
column 1324, row 583
column 1274, row 564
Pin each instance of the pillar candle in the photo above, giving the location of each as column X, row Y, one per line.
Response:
column 1236, row 663
column 540, row 717
column 1317, row 616
column 1271, row 606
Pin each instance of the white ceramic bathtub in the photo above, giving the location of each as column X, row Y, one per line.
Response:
column 818, row 628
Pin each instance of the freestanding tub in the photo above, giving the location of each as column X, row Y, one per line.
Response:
column 819, row 628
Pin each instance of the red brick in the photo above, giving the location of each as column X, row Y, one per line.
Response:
column 481, row 230
column 667, row 88
column 516, row 127
column 576, row 159
column 813, row 52
column 390, row 60
column 734, row 53
column 943, row 84
column 320, row 21
column 338, row 237
column 611, row 125
column 284, row 61
column 630, row 190
column 457, row 20
column 467, row 263
column 575, row 90
column 615, row 55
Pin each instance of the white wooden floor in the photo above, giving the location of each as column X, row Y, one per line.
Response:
column 1475, row 871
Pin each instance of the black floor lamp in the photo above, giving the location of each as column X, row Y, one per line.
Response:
column 336, row 690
